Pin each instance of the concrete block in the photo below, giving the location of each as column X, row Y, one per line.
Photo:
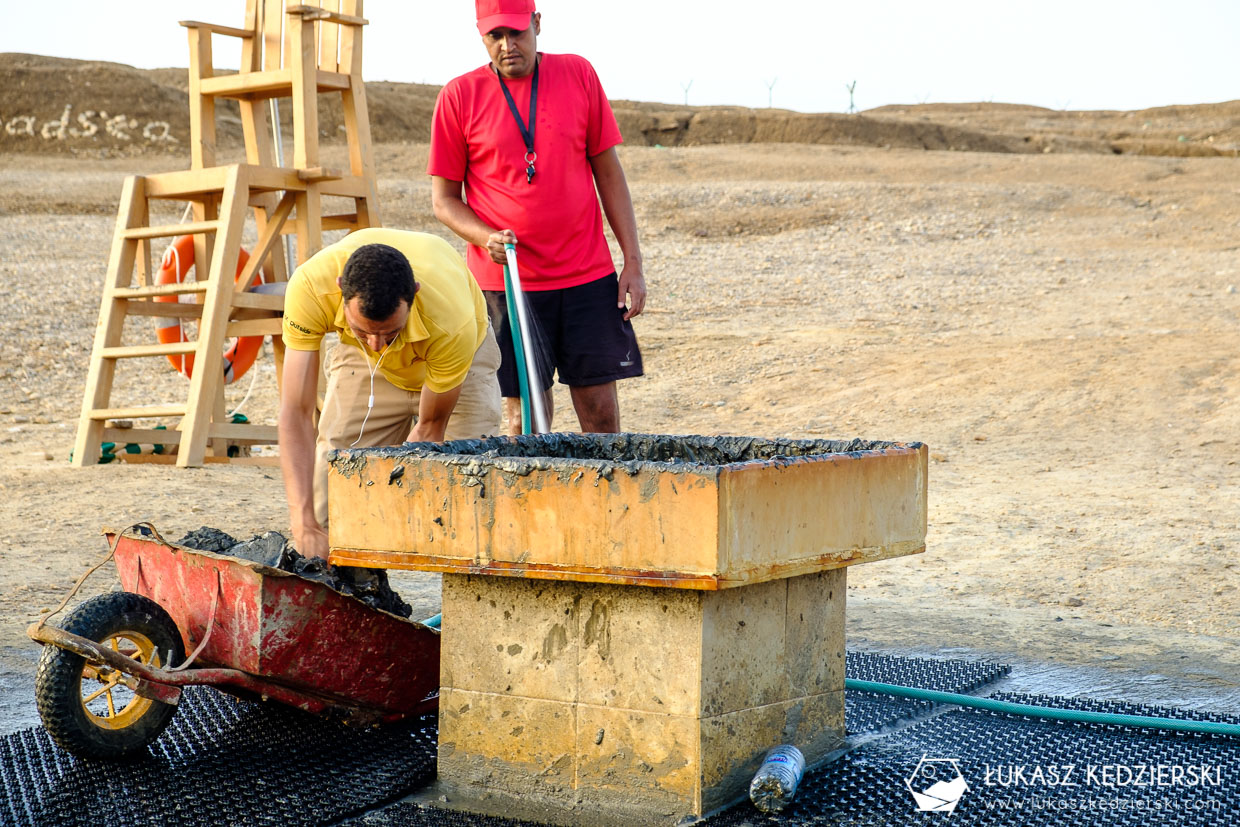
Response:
column 814, row 632
column 641, row 649
column 522, row 746
column 643, row 759
column 634, row 699
column 743, row 658
column 510, row 637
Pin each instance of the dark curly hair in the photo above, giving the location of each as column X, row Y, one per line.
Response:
column 380, row 277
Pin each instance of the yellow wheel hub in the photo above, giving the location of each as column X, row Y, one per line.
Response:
column 108, row 696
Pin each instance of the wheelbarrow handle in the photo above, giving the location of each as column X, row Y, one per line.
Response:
column 151, row 681
column 146, row 681
column 165, row 685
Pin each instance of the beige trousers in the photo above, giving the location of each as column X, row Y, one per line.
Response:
column 477, row 412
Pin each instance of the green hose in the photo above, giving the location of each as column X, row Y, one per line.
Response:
column 1074, row 715
column 1008, row 708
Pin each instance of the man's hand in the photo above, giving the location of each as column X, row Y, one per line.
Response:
column 632, row 285
column 613, row 192
column 448, row 202
column 495, row 245
column 311, row 541
column 421, row 433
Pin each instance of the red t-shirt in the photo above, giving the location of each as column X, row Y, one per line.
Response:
column 556, row 218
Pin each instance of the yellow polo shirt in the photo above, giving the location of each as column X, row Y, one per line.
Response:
column 446, row 324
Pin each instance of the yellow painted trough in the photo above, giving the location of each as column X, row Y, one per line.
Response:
column 683, row 512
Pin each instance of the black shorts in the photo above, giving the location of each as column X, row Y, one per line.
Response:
column 584, row 336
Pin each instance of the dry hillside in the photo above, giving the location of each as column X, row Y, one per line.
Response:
column 104, row 109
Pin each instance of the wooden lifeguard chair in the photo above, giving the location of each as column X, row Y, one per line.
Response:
column 287, row 51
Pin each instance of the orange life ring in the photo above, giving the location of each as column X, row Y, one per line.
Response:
column 240, row 353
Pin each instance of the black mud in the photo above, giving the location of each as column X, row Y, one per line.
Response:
column 627, row 451
column 275, row 550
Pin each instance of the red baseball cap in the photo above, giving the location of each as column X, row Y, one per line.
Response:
column 510, row 14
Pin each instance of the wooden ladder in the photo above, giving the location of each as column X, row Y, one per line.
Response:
column 294, row 51
column 223, row 309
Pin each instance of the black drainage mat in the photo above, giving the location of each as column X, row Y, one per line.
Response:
column 870, row 712
column 867, row 787
column 864, row 712
column 224, row 761
column 220, row 762
column 1017, row 773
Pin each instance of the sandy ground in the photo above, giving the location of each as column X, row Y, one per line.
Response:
column 1061, row 330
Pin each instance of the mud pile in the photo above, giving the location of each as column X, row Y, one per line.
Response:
column 275, row 550
column 633, row 447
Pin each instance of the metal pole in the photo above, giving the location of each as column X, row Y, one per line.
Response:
column 541, row 425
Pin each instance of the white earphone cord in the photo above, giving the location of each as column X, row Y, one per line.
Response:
column 370, row 403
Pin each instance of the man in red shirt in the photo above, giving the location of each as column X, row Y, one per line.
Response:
column 517, row 149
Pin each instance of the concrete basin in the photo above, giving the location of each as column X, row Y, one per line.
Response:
column 678, row 511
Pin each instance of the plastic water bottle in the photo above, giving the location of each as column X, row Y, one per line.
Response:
column 775, row 784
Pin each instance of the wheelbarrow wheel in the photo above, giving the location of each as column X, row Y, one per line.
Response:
column 88, row 709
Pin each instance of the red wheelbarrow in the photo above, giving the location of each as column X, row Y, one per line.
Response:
column 109, row 679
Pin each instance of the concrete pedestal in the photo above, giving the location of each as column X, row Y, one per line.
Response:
column 644, row 702
column 630, row 621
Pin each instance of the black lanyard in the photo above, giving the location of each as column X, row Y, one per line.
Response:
column 527, row 131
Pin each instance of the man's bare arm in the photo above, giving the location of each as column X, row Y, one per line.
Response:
column 613, row 192
column 434, row 411
column 298, row 394
column 452, row 211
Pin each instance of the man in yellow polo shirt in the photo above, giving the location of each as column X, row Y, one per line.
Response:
column 416, row 361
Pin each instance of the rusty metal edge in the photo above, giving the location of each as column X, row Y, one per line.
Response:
column 266, row 571
column 625, row 577
column 546, row 571
column 111, row 533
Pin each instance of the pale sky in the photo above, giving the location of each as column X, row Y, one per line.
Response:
column 1061, row 54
